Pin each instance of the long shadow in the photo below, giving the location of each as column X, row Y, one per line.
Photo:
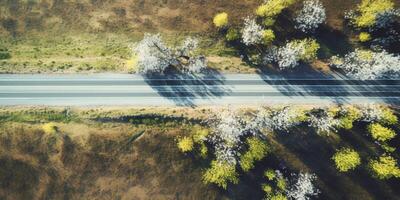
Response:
column 304, row 81
column 315, row 152
column 185, row 88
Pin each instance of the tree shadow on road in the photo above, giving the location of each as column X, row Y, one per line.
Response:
column 185, row 88
column 304, row 81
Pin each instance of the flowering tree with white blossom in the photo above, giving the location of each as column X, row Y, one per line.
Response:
column 322, row 121
column 311, row 16
column 252, row 33
column 228, row 128
column 303, row 188
column 155, row 57
column 292, row 53
column 364, row 65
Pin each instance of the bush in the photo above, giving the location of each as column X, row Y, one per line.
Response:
column 268, row 36
column 185, row 144
column 385, row 168
column 49, row 128
column 380, row 133
column 364, row 37
column 346, row 159
column 258, row 149
column 221, row 174
column 221, row 20
column 232, row 35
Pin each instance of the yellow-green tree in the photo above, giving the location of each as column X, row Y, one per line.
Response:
column 258, row 149
column 388, row 117
column 364, row 37
column 368, row 11
column 268, row 36
column 385, row 167
column 273, row 8
column 380, row 133
column 311, row 49
column 221, row 20
column 221, row 174
column 348, row 115
column 232, row 35
column 185, row 144
column 346, row 159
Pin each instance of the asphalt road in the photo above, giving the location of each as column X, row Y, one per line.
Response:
column 216, row 89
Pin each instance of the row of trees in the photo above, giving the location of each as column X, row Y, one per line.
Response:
column 374, row 20
column 258, row 37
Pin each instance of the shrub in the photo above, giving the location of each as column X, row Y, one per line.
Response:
column 49, row 128
column 221, row 20
column 364, row 37
column 380, row 133
column 258, row 149
column 346, row 159
column 385, row 167
column 268, row 36
column 221, row 174
column 232, row 35
column 185, row 144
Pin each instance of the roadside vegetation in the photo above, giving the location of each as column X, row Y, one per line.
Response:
column 240, row 37
column 244, row 152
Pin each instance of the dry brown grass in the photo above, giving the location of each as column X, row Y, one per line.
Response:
column 96, row 164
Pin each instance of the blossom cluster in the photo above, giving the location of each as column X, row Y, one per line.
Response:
column 311, row 16
column 155, row 57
